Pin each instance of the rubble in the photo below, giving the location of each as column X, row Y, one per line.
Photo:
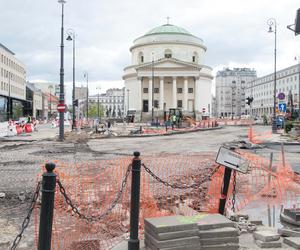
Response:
column 2, row 195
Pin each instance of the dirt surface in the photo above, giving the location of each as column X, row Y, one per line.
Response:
column 21, row 161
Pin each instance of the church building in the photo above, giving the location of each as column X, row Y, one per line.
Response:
column 167, row 71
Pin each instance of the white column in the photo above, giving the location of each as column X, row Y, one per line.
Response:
column 174, row 93
column 197, row 95
column 161, row 93
column 185, row 94
column 150, row 95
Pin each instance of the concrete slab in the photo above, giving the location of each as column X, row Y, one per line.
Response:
column 171, row 243
column 272, row 244
column 218, row 232
column 266, row 236
column 172, row 235
column 170, row 224
column 150, row 246
column 221, row 247
column 288, row 232
column 211, row 221
column 293, row 242
column 124, row 245
column 219, row 241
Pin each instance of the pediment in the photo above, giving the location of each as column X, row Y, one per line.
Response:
column 169, row 63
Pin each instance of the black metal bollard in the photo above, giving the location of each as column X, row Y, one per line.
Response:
column 134, row 243
column 224, row 191
column 47, row 206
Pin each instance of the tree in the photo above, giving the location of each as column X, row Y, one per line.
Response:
column 93, row 110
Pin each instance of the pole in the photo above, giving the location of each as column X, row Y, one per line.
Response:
column 152, row 111
column 47, row 206
column 98, row 106
column 8, row 100
column 224, row 191
column 134, row 243
column 50, row 103
column 73, row 94
column 87, row 95
column 61, row 94
column 299, row 92
column 127, row 101
column 232, row 103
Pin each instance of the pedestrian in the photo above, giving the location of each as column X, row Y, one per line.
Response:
column 174, row 118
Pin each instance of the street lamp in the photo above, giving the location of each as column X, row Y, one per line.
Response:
column 86, row 76
column 127, row 101
column 272, row 22
column 298, row 58
column 61, row 86
column 9, row 107
column 152, row 115
column 232, row 93
column 98, row 101
column 50, row 88
column 71, row 37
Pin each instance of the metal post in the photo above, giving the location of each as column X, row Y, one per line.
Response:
column 73, row 94
column 127, row 101
column 232, row 102
column 224, row 191
column 50, row 104
column 86, row 75
column 61, row 86
column 152, row 110
column 47, row 206
column 98, row 107
column 134, row 243
column 9, row 99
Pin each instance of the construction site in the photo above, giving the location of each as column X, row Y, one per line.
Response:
column 181, row 187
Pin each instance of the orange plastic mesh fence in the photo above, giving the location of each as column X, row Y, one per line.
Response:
column 256, row 137
column 93, row 186
column 276, row 185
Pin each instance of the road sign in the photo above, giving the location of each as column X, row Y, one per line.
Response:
column 281, row 96
column 231, row 159
column 61, row 107
column 282, row 107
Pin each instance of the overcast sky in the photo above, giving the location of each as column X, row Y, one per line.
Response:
column 234, row 31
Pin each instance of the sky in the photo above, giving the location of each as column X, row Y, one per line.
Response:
column 235, row 33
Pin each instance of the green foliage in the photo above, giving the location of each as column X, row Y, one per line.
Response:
column 288, row 126
column 93, row 110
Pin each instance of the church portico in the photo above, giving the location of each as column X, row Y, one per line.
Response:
column 159, row 84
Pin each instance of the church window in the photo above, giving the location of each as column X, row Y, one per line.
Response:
column 145, row 90
column 141, row 57
column 168, row 53
column 195, row 57
column 179, row 103
column 190, row 90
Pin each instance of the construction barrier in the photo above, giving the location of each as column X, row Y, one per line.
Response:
column 170, row 184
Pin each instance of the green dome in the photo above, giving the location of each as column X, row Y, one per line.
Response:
column 168, row 29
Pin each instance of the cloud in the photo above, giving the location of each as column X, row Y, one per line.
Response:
column 234, row 31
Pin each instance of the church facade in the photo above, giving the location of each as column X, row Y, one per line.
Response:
column 167, row 71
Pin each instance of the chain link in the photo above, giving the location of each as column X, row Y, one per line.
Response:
column 27, row 218
column 234, row 191
column 177, row 186
column 108, row 211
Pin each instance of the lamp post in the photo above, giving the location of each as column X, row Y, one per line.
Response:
column 50, row 88
column 127, row 101
column 232, row 93
column 298, row 59
column 152, row 110
column 98, row 102
column 71, row 37
column 61, row 86
column 9, row 108
column 272, row 22
column 86, row 76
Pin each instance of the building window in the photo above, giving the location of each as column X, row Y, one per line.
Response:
column 141, row 57
column 195, row 57
column 156, row 90
column 156, row 103
column 168, row 53
column 179, row 90
column 190, row 90
column 179, row 103
column 145, row 90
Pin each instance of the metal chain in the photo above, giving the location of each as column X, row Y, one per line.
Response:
column 27, row 218
column 99, row 217
column 176, row 186
column 234, row 191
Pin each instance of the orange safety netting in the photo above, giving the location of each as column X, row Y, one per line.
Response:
column 256, row 137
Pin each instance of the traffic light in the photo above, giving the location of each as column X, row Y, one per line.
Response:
column 249, row 100
column 75, row 102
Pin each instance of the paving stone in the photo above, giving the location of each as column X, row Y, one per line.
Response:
column 292, row 241
column 219, row 241
column 266, row 236
column 4, row 244
column 150, row 246
column 211, row 221
column 288, row 232
column 270, row 244
column 170, row 224
column 171, row 235
column 218, row 232
column 221, row 247
column 172, row 243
